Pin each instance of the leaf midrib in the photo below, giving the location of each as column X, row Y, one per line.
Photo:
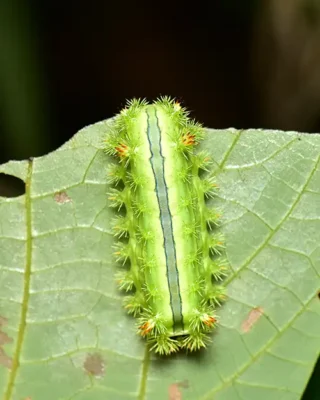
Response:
column 26, row 287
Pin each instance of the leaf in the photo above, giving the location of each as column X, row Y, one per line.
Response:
column 63, row 331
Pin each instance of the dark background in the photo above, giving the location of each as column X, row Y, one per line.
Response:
column 233, row 63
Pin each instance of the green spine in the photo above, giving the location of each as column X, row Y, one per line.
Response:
column 174, row 259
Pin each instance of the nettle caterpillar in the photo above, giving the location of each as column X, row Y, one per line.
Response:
column 171, row 261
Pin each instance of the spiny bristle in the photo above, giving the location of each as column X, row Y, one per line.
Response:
column 135, row 181
column 140, row 207
column 165, row 101
column 148, row 264
column 117, row 198
column 193, row 259
column 218, row 269
column 203, row 319
column 183, row 174
column 121, row 252
column 195, row 129
column 187, row 139
column 151, row 291
column 163, row 344
column 127, row 114
column 202, row 160
column 125, row 280
column 195, row 341
column 120, row 226
column 212, row 217
column 151, row 322
column 134, row 304
column 173, row 108
column 115, row 174
column 209, row 187
column 186, row 202
column 110, row 144
column 216, row 243
column 214, row 295
column 171, row 105
column 196, row 287
column 134, row 105
column 145, row 235
column 190, row 229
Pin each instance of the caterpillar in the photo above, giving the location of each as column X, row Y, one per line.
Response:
column 171, row 262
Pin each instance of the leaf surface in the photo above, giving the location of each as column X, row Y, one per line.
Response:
column 63, row 331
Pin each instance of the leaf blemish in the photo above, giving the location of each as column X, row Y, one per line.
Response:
column 94, row 365
column 5, row 360
column 62, row 197
column 253, row 316
column 174, row 392
column 174, row 389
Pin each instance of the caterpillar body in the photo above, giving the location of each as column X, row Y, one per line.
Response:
column 171, row 260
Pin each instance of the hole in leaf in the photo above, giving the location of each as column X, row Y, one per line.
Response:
column 10, row 186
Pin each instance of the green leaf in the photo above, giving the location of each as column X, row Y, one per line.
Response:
column 63, row 331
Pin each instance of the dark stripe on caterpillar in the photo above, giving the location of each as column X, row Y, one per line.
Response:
column 158, row 167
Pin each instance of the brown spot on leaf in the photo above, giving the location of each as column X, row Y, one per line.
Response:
column 174, row 392
column 4, row 339
column 251, row 319
column 174, row 389
column 5, row 360
column 94, row 365
column 62, row 197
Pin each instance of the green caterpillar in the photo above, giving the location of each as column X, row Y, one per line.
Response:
column 164, row 227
